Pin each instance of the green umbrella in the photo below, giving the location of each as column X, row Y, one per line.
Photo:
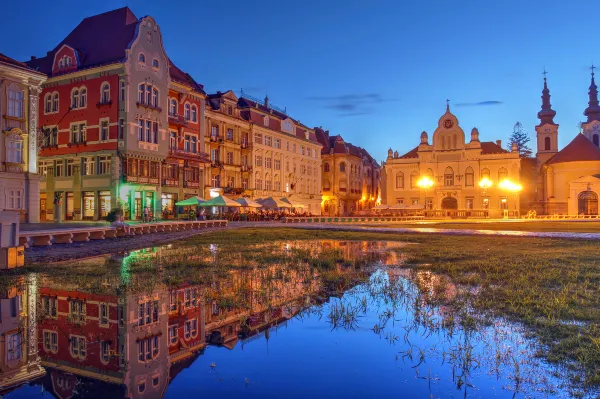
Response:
column 271, row 203
column 221, row 200
column 192, row 201
column 248, row 203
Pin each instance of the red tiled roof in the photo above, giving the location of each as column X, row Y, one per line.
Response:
column 182, row 77
column 579, row 149
column 99, row 40
column 411, row 154
column 10, row 61
column 489, row 147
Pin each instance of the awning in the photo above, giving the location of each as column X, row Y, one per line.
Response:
column 273, row 203
column 294, row 203
column 190, row 201
column 381, row 207
column 248, row 203
column 222, row 201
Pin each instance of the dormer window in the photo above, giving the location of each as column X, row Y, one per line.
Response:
column 229, row 110
column 142, row 58
column 266, row 121
column 306, row 135
column 155, row 63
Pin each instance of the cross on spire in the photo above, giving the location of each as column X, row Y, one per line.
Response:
column 545, row 73
column 447, row 105
column 592, row 68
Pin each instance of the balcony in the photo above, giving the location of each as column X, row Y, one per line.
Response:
column 191, row 184
column 197, row 156
column 141, row 179
column 11, row 122
column 216, row 139
column 246, row 168
column 246, row 146
column 177, row 120
column 216, row 165
column 170, row 182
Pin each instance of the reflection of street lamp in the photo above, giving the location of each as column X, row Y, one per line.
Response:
column 485, row 183
column 425, row 183
column 512, row 187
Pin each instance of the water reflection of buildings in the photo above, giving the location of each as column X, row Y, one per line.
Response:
column 111, row 340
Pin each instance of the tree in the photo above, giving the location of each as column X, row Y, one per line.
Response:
column 520, row 137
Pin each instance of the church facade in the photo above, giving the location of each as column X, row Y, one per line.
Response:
column 452, row 174
column 568, row 181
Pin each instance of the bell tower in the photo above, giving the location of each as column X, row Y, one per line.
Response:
column 547, row 130
column 591, row 128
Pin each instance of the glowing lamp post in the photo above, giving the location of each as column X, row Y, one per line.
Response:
column 512, row 187
column 485, row 183
column 425, row 183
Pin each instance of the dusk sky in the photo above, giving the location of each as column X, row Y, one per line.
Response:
column 378, row 73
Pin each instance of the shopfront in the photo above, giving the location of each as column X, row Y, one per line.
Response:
column 89, row 205
column 105, row 200
column 168, row 207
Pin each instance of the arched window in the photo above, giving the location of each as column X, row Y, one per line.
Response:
column 154, row 97
column 448, row 177
column 587, row 203
column 469, row 177
column 142, row 58
column 105, row 93
column 414, row 178
column 595, row 140
column 194, row 113
column 48, row 103
column 55, row 102
column 502, row 174
column 75, row 98
column 172, row 106
column 155, row 63
column 429, row 173
column 325, row 167
column 547, row 143
column 186, row 111
column 343, row 167
column 485, row 173
column 400, row 180
column 83, row 97
column 258, row 181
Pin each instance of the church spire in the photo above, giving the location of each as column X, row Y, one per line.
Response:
column 593, row 110
column 546, row 115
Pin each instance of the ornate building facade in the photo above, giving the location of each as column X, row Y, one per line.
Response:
column 568, row 180
column 454, row 168
column 20, row 87
column 105, row 114
column 350, row 176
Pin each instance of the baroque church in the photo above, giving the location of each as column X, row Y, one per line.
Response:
column 453, row 177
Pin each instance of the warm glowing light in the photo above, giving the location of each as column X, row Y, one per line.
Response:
column 425, row 182
column 485, row 183
column 213, row 193
column 363, row 198
column 510, row 186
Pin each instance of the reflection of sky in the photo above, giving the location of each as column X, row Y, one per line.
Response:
column 305, row 358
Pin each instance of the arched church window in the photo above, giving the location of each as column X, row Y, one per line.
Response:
column 400, row 180
column 485, row 173
column 414, row 178
column 469, row 177
column 587, row 202
column 502, row 174
column 547, row 144
column 596, row 140
column 448, row 177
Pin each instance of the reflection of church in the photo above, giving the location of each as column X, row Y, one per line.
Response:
column 569, row 179
column 563, row 182
column 455, row 168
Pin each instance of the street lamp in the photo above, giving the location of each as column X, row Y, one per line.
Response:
column 485, row 183
column 425, row 183
column 512, row 187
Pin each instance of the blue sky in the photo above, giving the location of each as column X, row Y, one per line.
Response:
column 376, row 72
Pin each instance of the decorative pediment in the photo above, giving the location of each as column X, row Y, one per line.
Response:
column 66, row 59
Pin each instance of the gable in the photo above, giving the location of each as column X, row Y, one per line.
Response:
column 65, row 60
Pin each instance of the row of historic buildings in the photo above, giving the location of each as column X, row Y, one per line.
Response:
column 107, row 120
column 474, row 178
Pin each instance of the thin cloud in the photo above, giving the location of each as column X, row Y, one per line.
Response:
column 351, row 104
column 480, row 104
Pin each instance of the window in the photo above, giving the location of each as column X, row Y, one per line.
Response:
column 14, row 149
column 15, row 101
column 88, row 166
column 70, row 167
column 244, row 183
column 77, row 310
column 400, row 180
column 469, row 177
column 141, row 91
column 142, row 387
column 428, row 203
column 326, row 185
column 258, row 181
column 268, row 163
column 147, row 313
column 59, row 170
column 190, row 329
column 75, row 99
column 155, row 63
column 104, row 351
column 186, row 112
column 342, row 167
column 154, row 97
column 122, row 89
column 173, row 334
column 485, row 173
column 104, row 130
column 194, row 113
column 104, row 165
column 147, row 131
column 14, row 348
column 448, row 177
column 148, row 348
column 78, row 347
column 502, row 174
column 277, row 185
column 230, row 158
column 55, row 102
column 229, row 110
column 277, row 164
column 547, row 145
column 214, row 155
column 190, row 143
column 172, row 106
column 268, row 140
column 258, row 160
column 103, row 314
column 469, row 202
column 230, row 134
column 48, row 103
column 302, row 149
column 78, row 133
column 503, row 204
column 277, row 143
column 258, row 138
column 49, row 306
column 142, row 58
column 326, row 167
column 51, row 341
column 105, row 93
column 121, row 128
column 83, row 98
column 216, row 181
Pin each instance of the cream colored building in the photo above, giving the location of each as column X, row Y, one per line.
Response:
column 455, row 167
column 20, row 87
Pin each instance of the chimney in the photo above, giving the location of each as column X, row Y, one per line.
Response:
column 33, row 58
column 499, row 143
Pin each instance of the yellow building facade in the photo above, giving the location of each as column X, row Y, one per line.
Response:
column 463, row 178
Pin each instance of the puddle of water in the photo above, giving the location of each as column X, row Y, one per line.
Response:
column 284, row 318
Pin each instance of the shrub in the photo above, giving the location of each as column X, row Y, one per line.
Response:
column 114, row 214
